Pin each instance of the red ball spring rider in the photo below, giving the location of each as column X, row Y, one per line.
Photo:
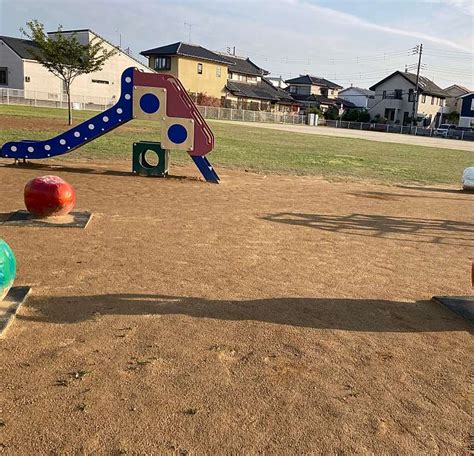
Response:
column 49, row 196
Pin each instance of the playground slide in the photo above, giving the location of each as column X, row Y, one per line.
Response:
column 148, row 96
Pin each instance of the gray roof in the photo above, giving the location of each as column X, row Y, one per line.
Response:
column 313, row 80
column 426, row 85
column 263, row 90
column 244, row 66
column 20, row 46
column 366, row 92
column 321, row 99
column 186, row 50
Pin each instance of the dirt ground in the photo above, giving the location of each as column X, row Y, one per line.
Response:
column 266, row 315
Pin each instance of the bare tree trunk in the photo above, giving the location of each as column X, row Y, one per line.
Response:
column 68, row 92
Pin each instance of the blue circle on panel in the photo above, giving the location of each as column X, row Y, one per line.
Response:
column 177, row 133
column 149, row 103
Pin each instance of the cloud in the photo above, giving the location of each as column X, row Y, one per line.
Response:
column 350, row 20
column 465, row 6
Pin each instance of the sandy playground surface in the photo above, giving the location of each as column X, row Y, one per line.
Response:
column 267, row 315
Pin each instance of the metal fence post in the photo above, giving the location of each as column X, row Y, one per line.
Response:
column 8, row 96
column 462, row 135
column 361, row 125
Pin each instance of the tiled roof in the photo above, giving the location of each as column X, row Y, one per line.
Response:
column 426, row 85
column 321, row 99
column 20, row 46
column 244, row 66
column 186, row 50
column 263, row 90
column 313, row 80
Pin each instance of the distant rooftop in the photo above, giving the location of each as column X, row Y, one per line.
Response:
column 313, row 80
column 426, row 85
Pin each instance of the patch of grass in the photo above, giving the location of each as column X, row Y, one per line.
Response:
column 263, row 150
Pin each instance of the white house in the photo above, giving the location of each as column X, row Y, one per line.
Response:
column 357, row 96
column 20, row 70
column 395, row 96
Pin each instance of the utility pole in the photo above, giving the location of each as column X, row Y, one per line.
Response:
column 415, row 101
column 187, row 24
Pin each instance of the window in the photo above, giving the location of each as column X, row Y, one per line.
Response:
column 384, row 95
column 411, row 95
column 432, row 100
column 199, row 68
column 423, row 98
column 292, row 89
column 163, row 63
column 100, row 81
column 27, row 79
column 218, row 71
column 398, row 94
column 472, row 104
column 4, row 76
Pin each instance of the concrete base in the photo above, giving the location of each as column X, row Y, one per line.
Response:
column 462, row 305
column 10, row 305
column 72, row 220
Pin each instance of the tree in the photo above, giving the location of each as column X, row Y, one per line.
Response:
column 64, row 56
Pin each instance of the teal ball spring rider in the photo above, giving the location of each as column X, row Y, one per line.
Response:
column 7, row 268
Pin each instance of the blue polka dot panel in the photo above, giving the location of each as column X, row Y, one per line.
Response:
column 177, row 133
column 149, row 103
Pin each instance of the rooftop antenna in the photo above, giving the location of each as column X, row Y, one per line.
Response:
column 187, row 24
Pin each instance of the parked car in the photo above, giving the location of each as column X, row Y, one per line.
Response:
column 444, row 130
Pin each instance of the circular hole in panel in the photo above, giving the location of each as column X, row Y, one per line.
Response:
column 150, row 159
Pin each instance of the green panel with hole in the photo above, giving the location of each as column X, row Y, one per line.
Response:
column 150, row 159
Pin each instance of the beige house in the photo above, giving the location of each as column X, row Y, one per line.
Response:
column 316, row 92
column 454, row 94
column 20, row 70
column 232, row 81
column 395, row 95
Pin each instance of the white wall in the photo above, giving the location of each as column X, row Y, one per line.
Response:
column 46, row 85
column 354, row 96
column 13, row 62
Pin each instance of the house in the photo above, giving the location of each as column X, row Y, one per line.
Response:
column 278, row 82
column 199, row 69
column 316, row 92
column 453, row 97
column 466, row 118
column 20, row 70
column 234, row 81
column 248, row 88
column 395, row 96
column 357, row 96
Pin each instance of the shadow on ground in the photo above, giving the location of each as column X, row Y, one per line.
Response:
column 390, row 196
column 320, row 313
column 79, row 170
column 436, row 231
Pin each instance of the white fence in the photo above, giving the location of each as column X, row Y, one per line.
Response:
column 58, row 100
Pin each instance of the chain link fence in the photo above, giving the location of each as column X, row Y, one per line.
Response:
column 459, row 133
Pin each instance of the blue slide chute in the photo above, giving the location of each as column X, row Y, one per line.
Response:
column 81, row 134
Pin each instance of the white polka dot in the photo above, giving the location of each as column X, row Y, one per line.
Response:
column 13, row 148
column 120, row 120
column 128, row 79
column 47, row 147
column 6, row 155
column 127, row 96
column 30, row 149
column 68, row 147
column 102, row 129
column 119, row 111
column 91, row 126
column 77, row 134
column 105, row 119
column 49, row 155
column 85, row 138
column 62, row 142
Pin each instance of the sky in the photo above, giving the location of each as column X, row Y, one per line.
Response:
column 355, row 42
